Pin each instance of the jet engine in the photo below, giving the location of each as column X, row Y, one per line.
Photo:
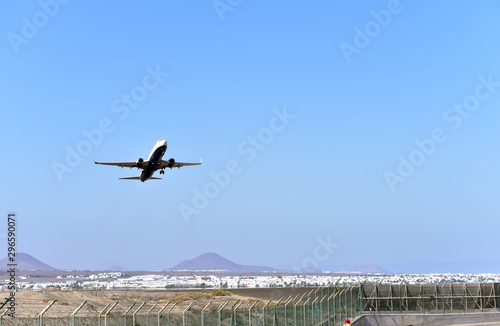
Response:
column 171, row 163
column 139, row 162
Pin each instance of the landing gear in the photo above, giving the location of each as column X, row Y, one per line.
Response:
column 162, row 171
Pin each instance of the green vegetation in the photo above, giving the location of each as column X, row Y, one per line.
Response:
column 220, row 292
column 190, row 296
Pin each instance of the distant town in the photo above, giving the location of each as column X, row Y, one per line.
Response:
column 210, row 271
column 123, row 280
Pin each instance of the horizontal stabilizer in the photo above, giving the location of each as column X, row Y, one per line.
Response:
column 139, row 178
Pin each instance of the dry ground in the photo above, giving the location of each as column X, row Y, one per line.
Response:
column 31, row 303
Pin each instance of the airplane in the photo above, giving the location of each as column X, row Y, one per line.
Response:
column 152, row 164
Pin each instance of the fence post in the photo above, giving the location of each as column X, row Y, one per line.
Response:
column 106, row 314
column 275, row 318
column 1, row 306
column 100, row 313
column 295, row 311
column 264, row 312
column 135, row 312
column 168, row 314
column 219, row 310
column 312, row 310
column 159, row 312
column 329, row 315
column 290, row 299
column 481, row 292
column 244, row 309
column 5, row 302
column 72, row 318
column 203, row 313
column 1, row 316
column 340, row 304
column 321, row 308
column 350, row 302
column 304, row 310
column 360, row 296
column 126, row 312
column 232, row 311
column 40, row 315
column 250, row 313
column 495, row 296
column 334, row 308
column 150, row 311
column 185, row 314
column 257, row 311
column 236, row 312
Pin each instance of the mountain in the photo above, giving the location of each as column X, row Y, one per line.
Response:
column 26, row 262
column 310, row 270
column 213, row 262
column 369, row 269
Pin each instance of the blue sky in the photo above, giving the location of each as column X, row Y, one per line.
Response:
column 342, row 182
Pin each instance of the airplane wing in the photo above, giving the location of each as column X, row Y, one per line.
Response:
column 173, row 164
column 123, row 164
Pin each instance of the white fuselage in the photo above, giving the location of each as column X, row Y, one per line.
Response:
column 154, row 159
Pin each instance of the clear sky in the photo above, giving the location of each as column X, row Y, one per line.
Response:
column 340, row 133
